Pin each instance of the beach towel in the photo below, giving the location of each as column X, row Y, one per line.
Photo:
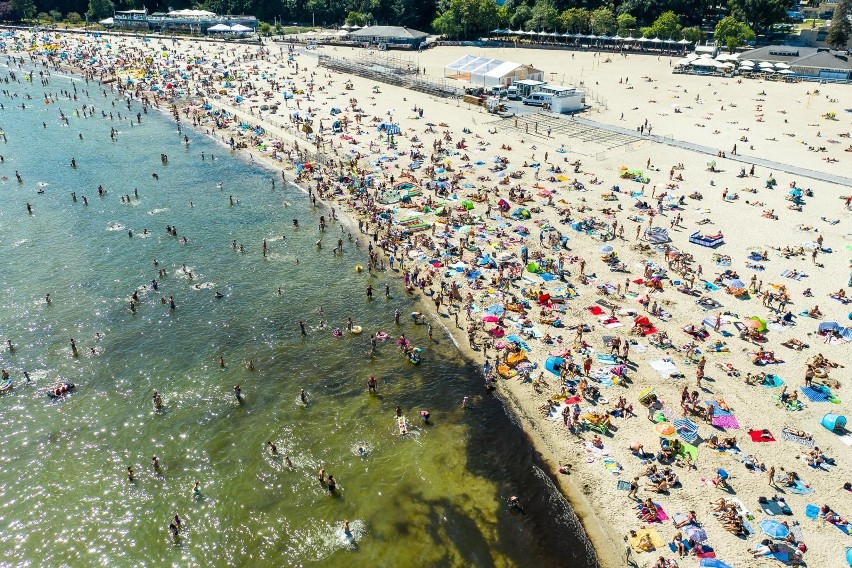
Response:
column 656, row 539
column 772, row 508
column 846, row 529
column 689, row 450
column 801, row 488
column 678, row 518
column 790, row 437
column 761, row 436
column 815, row 395
column 665, row 368
column 686, row 429
column 811, row 511
column 727, row 421
column 596, row 310
column 623, row 485
column 717, row 410
column 772, row 381
column 606, row 359
column 661, row 514
column 612, row 466
column 519, row 341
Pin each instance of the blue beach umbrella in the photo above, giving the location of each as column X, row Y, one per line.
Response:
column 774, row 529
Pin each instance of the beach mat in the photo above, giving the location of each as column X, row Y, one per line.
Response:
column 790, row 437
column 800, row 488
column 689, row 450
column 761, row 436
column 815, row 395
column 728, row 421
column 771, row 508
column 811, row 511
column 656, row 539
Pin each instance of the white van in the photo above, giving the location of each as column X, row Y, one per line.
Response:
column 512, row 93
column 538, row 99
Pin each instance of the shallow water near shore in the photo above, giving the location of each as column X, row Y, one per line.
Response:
column 434, row 497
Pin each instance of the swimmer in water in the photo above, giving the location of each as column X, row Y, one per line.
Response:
column 196, row 490
column 273, row 449
column 287, row 461
column 303, row 396
column 346, row 530
column 158, row 401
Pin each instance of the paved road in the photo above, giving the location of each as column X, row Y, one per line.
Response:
column 769, row 164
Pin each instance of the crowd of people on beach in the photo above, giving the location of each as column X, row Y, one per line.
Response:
column 534, row 274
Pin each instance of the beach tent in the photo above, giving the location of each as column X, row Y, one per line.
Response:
column 219, row 28
column 844, row 333
column 240, row 29
column 834, row 422
column 553, row 364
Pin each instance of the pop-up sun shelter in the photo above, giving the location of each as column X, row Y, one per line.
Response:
column 834, row 422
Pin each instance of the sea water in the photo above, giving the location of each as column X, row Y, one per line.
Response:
column 435, row 497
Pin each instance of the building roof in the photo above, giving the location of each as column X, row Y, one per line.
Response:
column 825, row 60
column 389, row 32
column 816, row 57
column 777, row 53
column 484, row 66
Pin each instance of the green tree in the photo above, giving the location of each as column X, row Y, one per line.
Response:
column 55, row 15
column 840, row 30
column 459, row 18
column 544, row 16
column 693, row 34
column 520, row 16
column 627, row 24
column 73, row 18
column 576, row 20
column 732, row 33
column 603, row 21
column 667, row 26
column 23, row 9
column 100, row 9
column 356, row 18
column 759, row 14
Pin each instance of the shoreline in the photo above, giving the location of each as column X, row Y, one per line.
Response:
column 602, row 515
column 608, row 553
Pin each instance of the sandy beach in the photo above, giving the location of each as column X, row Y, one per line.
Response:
column 614, row 286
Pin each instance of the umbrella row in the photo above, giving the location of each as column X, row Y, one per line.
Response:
column 591, row 36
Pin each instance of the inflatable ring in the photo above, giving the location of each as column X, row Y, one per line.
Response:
column 356, row 329
column 820, row 373
column 358, row 268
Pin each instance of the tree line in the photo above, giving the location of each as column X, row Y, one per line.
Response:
column 733, row 22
